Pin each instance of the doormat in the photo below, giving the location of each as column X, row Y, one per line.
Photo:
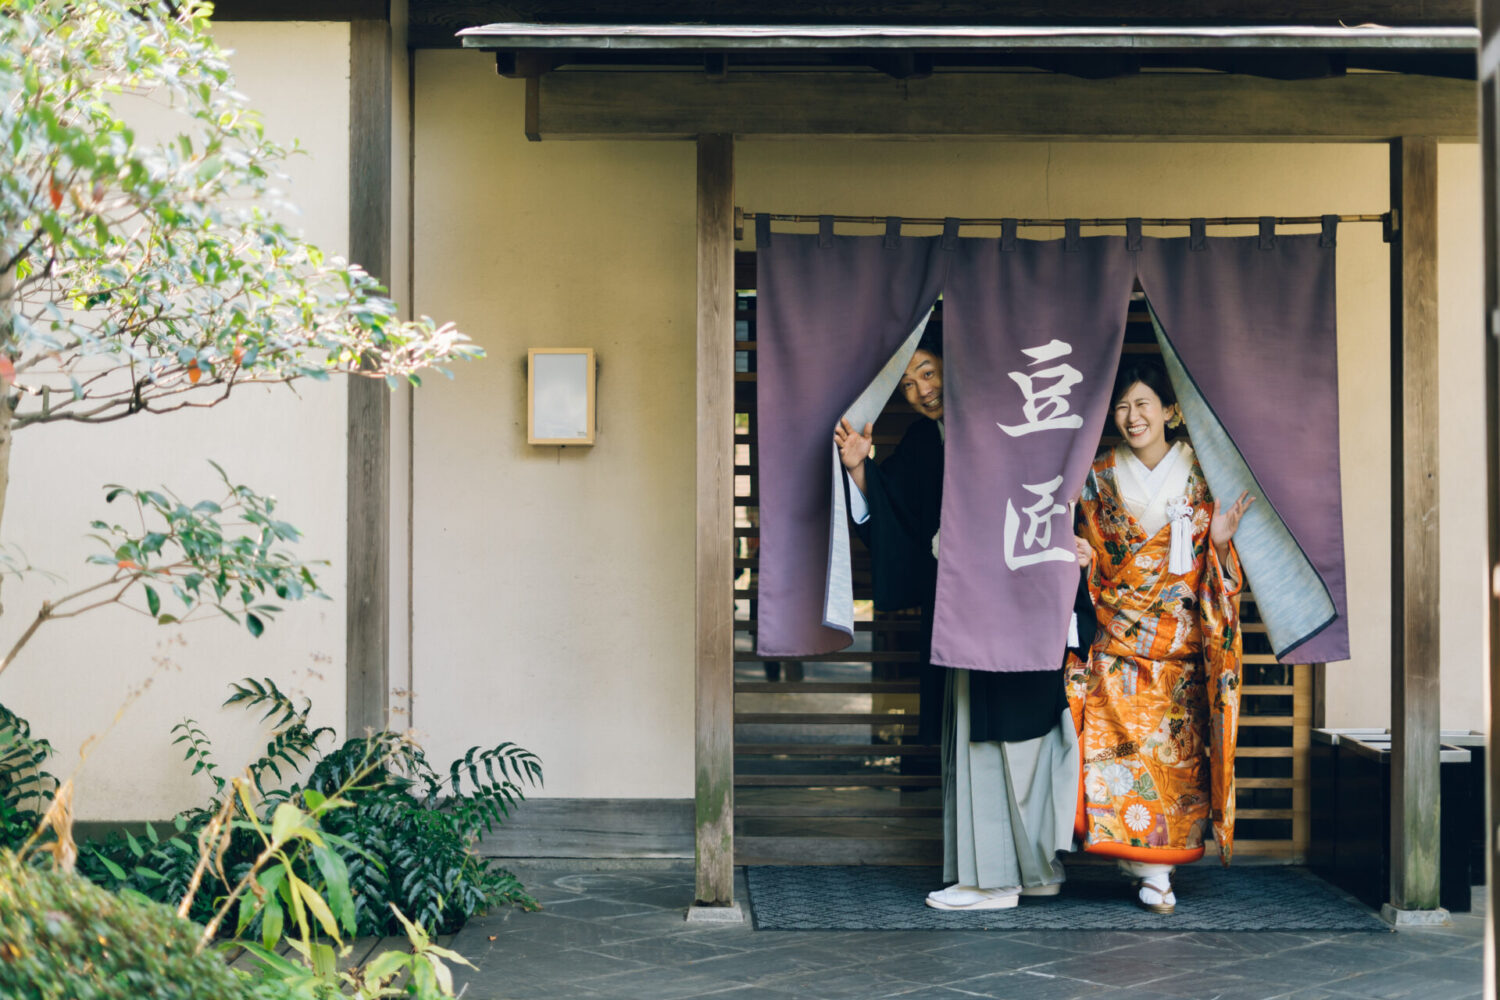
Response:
column 1095, row 898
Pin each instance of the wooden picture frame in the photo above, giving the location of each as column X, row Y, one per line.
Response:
column 561, row 381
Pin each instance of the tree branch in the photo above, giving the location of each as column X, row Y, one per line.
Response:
column 15, row 258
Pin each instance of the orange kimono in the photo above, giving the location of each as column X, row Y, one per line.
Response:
column 1157, row 705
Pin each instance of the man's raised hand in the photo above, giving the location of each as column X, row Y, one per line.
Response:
column 854, row 446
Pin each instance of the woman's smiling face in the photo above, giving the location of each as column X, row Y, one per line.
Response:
column 1141, row 419
column 922, row 384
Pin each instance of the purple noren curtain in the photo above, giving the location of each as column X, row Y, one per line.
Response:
column 1032, row 332
column 1248, row 328
column 1031, row 336
column 830, row 310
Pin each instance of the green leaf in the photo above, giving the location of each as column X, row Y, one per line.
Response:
column 316, row 905
column 387, row 964
column 336, row 883
column 254, row 624
column 272, row 921
column 285, row 822
column 153, row 602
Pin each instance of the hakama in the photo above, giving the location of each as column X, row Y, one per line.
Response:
column 1010, row 753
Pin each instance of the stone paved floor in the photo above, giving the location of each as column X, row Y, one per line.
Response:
column 615, row 931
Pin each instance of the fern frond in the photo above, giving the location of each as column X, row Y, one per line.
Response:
column 25, row 784
column 199, row 751
column 251, row 694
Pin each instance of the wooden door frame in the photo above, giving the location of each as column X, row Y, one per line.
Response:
column 1414, row 531
column 714, row 614
column 1415, row 565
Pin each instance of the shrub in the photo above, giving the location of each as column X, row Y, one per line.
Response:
column 63, row 938
column 24, row 784
column 415, row 830
column 405, row 834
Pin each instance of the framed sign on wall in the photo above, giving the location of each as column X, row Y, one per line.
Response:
column 560, row 395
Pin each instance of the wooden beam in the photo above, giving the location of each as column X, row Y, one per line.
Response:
column 1415, row 597
column 714, row 717
column 302, row 10
column 368, row 501
column 594, row 828
column 1168, row 106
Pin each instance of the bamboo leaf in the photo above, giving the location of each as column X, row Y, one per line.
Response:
column 317, row 906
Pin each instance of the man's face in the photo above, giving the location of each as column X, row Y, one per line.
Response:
column 922, row 384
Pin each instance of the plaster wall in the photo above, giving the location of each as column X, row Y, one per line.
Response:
column 553, row 587
column 553, row 600
column 75, row 675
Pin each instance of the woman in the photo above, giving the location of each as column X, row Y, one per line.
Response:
column 1157, row 704
column 1010, row 753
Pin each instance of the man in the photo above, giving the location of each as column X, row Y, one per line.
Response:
column 1010, row 752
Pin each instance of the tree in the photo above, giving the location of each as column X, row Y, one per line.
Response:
column 145, row 277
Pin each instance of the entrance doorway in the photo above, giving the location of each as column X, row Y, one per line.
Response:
column 831, row 765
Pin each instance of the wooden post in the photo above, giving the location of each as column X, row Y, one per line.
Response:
column 1415, row 716
column 368, row 502
column 1489, row 138
column 715, row 478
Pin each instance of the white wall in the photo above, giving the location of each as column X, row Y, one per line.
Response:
column 1461, row 335
column 553, row 590
column 554, row 587
column 75, row 675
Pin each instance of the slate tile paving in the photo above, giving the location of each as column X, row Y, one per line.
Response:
column 615, row 931
column 997, row 951
column 1397, row 984
column 1029, row 986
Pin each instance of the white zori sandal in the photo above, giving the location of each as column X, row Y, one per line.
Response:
column 1154, row 893
column 970, row 897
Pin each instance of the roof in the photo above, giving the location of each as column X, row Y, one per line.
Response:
column 750, row 37
column 1092, row 51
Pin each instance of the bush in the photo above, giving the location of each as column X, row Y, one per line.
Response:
column 24, row 784
column 415, row 829
column 63, row 938
column 405, row 836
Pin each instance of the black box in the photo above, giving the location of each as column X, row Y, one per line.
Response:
column 1360, row 862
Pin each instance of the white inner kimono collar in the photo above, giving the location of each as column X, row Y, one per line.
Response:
column 1147, row 492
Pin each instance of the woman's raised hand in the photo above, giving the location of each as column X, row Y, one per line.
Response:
column 854, row 446
column 1225, row 522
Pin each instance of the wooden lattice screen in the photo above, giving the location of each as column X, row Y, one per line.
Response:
column 829, row 766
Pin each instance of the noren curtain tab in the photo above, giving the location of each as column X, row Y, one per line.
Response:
column 1268, row 232
column 1070, row 235
column 892, row 231
column 1007, row 234
column 1329, row 236
column 950, row 233
column 825, row 231
column 1197, row 234
column 762, row 231
column 1133, row 235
